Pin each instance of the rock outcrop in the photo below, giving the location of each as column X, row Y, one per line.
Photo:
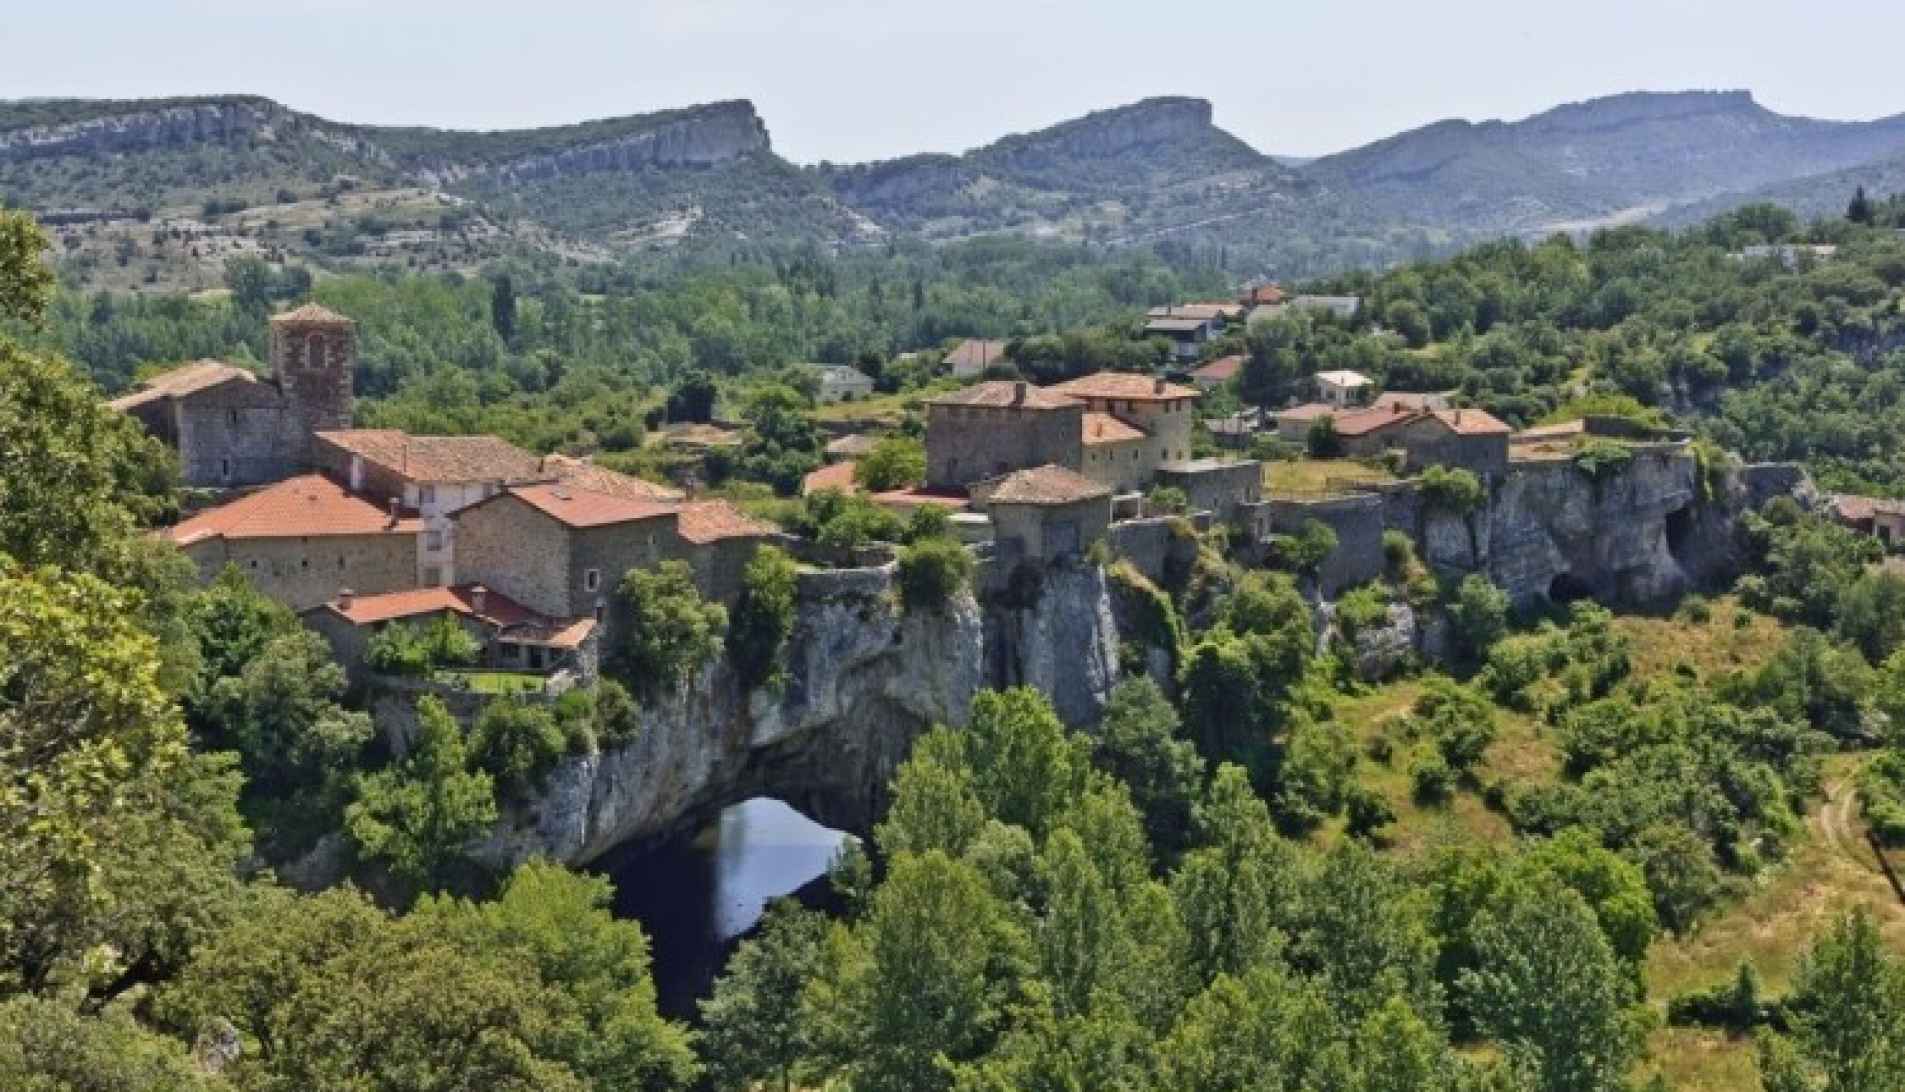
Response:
column 864, row 680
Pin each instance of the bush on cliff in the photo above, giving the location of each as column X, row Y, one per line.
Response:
column 932, row 571
column 763, row 617
column 669, row 630
column 516, row 743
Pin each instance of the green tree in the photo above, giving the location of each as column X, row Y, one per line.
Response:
column 1321, row 440
column 1549, row 988
column 753, row 1023
column 47, row 1047
column 281, row 713
column 1139, row 744
column 784, row 444
column 692, row 398
column 894, row 463
column 502, row 308
column 1859, row 209
column 763, row 617
column 932, row 572
column 26, row 284
column 668, row 630
column 417, row 815
column 516, row 743
column 1848, row 1006
column 1478, row 615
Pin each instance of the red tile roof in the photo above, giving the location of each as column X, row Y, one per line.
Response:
column 1005, row 394
column 1853, row 508
column 1125, row 386
column 438, row 458
column 1473, row 422
column 584, row 508
column 837, row 476
column 584, row 474
column 188, row 379
column 703, row 522
column 1362, row 422
column 1264, row 293
column 308, row 506
column 951, row 499
column 1221, row 370
column 1308, row 411
column 1103, row 428
column 515, row 620
column 1048, row 484
column 310, row 312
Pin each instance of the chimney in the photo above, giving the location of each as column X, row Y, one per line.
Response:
column 1157, row 385
column 1018, row 393
column 1458, row 416
column 345, row 597
column 396, row 510
column 479, row 598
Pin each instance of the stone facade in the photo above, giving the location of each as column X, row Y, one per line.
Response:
column 510, row 547
column 303, row 572
column 1049, row 532
column 314, row 362
column 1358, row 523
column 1217, row 486
column 233, row 434
column 967, row 443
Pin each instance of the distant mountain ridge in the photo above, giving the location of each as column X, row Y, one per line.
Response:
column 1154, row 171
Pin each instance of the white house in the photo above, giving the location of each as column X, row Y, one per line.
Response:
column 1341, row 388
column 839, row 383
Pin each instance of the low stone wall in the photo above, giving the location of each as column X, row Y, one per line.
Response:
column 1150, row 544
column 1358, row 521
column 816, row 585
column 1764, row 481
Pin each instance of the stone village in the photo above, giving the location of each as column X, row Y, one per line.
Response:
column 361, row 529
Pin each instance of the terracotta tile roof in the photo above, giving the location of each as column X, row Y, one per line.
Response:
column 1103, row 428
column 584, row 474
column 1006, row 394
column 1264, row 293
column 708, row 521
column 310, row 312
column 1127, row 386
column 836, row 476
column 1473, row 422
column 1362, row 422
column 514, row 620
column 308, row 506
column 1221, row 370
column 1048, row 484
column 975, row 354
column 584, row 508
column 1415, row 400
column 187, row 379
column 438, row 458
column 1853, row 508
column 951, row 499
column 1308, row 411
column 852, row 446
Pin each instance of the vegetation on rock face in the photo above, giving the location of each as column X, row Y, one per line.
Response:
column 668, row 631
column 932, row 571
column 763, row 617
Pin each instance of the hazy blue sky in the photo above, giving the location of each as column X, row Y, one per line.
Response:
column 860, row 79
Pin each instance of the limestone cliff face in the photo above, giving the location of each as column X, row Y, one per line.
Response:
column 705, row 135
column 864, row 681
column 1619, row 539
column 143, row 130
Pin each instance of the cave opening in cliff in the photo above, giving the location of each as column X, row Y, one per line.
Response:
column 1566, row 588
column 1679, row 529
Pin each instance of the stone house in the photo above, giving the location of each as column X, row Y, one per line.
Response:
column 970, row 358
column 234, row 428
column 1046, row 513
column 1294, row 424
column 1880, row 517
column 1343, row 389
column 1471, row 439
column 1163, row 411
column 1217, row 486
column 512, row 637
column 302, row 539
column 994, row 428
column 1115, row 453
column 839, row 383
column 1209, row 377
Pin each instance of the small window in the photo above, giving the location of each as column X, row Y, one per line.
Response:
column 428, row 494
column 304, row 563
column 254, row 562
column 340, row 562
column 231, row 417
column 591, row 579
column 224, row 468
column 600, row 610
column 433, row 540
column 510, row 652
column 432, row 576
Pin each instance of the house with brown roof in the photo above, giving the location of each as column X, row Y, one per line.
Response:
column 511, row 636
column 1471, row 439
column 233, row 427
column 970, row 358
column 997, row 427
column 1208, row 377
column 1165, row 412
column 1046, row 513
column 1115, row 453
column 1262, row 295
column 301, row 539
column 1294, row 423
column 1881, row 517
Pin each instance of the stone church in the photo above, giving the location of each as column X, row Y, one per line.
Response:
column 232, row 427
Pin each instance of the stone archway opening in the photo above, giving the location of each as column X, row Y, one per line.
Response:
column 1679, row 531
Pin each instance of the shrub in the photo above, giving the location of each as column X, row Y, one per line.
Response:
column 1460, row 722
column 1398, row 553
column 1735, row 1006
column 1431, row 779
column 1305, row 551
column 1478, row 615
column 1361, row 609
column 896, row 462
column 932, row 521
column 1601, row 459
column 1452, row 490
column 1167, row 500
column 1366, row 811
column 1695, row 609
column 1321, row 441
column 670, row 631
column 763, row 616
column 516, row 743
column 932, row 572
column 405, row 649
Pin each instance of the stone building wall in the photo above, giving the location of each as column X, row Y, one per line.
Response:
column 508, row 546
column 236, row 433
column 612, row 551
column 1358, row 523
column 1049, row 531
column 967, row 443
column 1215, row 486
column 314, row 364
column 1429, row 443
column 1121, row 466
column 305, row 572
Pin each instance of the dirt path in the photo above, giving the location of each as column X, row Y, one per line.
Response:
column 1833, row 823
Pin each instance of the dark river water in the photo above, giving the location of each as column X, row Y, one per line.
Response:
column 696, row 897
